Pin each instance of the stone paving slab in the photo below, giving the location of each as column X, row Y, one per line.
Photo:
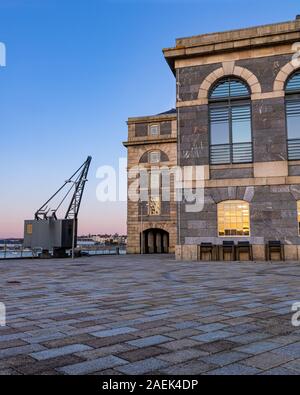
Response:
column 148, row 314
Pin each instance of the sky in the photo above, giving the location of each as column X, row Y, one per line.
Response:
column 75, row 71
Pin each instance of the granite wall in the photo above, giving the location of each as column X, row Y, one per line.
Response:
column 273, row 215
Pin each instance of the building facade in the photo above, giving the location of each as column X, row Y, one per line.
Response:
column 151, row 222
column 237, row 116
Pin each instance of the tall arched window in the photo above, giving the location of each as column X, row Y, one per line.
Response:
column 234, row 218
column 292, row 91
column 230, row 122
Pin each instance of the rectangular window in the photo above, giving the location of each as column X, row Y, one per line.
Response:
column 233, row 219
column 219, row 126
column 154, row 206
column 231, row 136
column 241, row 124
column 154, row 157
column 154, row 130
column 293, row 119
column 29, row 229
column 293, row 128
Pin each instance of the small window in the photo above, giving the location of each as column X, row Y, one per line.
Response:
column 154, row 206
column 233, row 219
column 29, row 229
column 154, row 157
column 154, row 130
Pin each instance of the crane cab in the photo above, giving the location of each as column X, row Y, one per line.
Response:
column 49, row 234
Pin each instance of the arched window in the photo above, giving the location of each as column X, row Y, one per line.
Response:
column 292, row 91
column 230, row 122
column 234, row 218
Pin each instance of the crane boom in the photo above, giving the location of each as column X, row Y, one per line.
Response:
column 79, row 189
column 79, row 184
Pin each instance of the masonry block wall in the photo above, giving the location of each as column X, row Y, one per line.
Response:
column 140, row 143
column 263, row 58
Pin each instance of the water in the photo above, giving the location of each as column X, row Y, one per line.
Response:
column 15, row 254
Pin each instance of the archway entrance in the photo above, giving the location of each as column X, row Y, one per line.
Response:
column 155, row 241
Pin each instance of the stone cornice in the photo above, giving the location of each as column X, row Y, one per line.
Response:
column 133, row 143
column 152, row 118
column 234, row 40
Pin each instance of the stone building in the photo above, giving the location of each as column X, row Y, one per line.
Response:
column 151, row 225
column 238, row 116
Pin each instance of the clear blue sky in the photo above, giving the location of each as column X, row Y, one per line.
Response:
column 76, row 69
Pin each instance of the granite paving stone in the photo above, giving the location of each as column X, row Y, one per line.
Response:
column 92, row 366
column 258, row 347
column 181, row 356
column 267, row 360
column 142, row 367
column 114, row 332
column 57, row 352
column 235, row 369
column 224, row 358
column 149, row 341
column 212, row 336
column 142, row 353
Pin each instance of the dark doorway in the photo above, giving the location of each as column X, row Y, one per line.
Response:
column 155, row 241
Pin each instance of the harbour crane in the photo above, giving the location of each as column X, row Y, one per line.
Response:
column 47, row 231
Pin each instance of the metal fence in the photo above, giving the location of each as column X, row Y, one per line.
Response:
column 9, row 251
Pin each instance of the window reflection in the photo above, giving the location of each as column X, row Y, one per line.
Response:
column 230, row 123
column 233, row 218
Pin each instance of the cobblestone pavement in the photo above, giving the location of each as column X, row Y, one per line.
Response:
column 148, row 315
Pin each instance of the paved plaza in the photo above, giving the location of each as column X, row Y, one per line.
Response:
column 148, row 315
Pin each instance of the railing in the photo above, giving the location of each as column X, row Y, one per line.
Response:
column 231, row 153
column 19, row 252
column 294, row 149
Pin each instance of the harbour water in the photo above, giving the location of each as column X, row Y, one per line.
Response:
column 15, row 254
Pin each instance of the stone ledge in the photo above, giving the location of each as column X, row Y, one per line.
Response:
column 151, row 118
column 245, row 182
column 132, row 143
column 208, row 44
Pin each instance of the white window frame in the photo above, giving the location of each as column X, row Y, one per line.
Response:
column 154, row 125
column 151, row 161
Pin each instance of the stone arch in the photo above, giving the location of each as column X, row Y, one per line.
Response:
column 227, row 69
column 154, row 241
column 284, row 74
column 232, row 193
column 145, row 157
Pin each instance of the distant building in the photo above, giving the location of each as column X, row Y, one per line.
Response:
column 238, row 116
column 102, row 239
